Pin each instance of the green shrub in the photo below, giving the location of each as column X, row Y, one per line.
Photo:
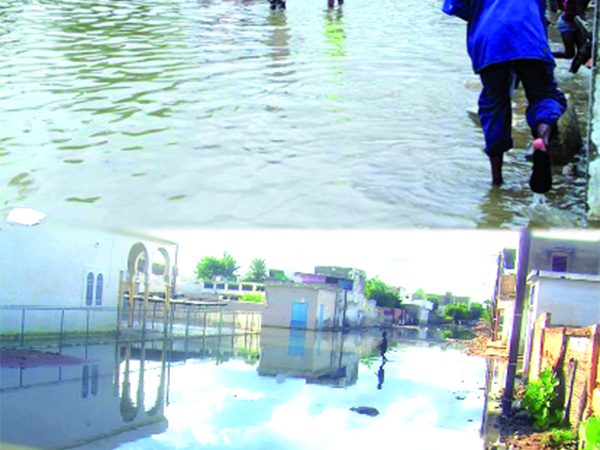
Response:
column 558, row 437
column 253, row 297
column 540, row 401
column 591, row 431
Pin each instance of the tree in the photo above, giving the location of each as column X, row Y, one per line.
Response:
column 457, row 312
column 257, row 271
column 475, row 311
column 384, row 295
column 210, row 268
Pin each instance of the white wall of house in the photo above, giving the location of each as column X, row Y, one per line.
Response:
column 572, row 299
column 51, row 266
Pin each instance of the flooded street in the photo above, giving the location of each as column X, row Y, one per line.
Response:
column 285, row 389
column 221, row 113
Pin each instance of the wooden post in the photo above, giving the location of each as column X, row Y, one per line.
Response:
column 131, row 301
column 120, row 301
column 145, row 307
column 594, row 349
column 513, row 353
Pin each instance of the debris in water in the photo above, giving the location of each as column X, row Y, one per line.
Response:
column 367, row 410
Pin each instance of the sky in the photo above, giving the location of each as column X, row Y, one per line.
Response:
column 459, row 261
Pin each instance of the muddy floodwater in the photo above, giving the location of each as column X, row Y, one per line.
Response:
column 281, row 389
column 222, row 113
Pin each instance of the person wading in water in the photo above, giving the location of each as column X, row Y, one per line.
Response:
column 507, row 41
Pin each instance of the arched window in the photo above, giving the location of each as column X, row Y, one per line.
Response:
column 99, row 287
column 89, row 289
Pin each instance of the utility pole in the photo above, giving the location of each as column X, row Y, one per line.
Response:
column 515, row 335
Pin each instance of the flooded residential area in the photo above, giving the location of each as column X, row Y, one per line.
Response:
column 297, row 225
column 126, row 340
column 275, row 389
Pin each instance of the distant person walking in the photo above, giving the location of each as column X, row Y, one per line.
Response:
column 383, row 345
column 277, row 4
column 573, row 39
column 507, row 41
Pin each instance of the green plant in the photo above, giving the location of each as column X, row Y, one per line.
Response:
column 591, row 433
column 253, row 297
column 540, row 400
column 558, row 438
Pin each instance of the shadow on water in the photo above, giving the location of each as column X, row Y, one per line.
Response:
column 247, row 391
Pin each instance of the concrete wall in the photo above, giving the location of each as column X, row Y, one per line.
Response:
column 573, row 353
column 572, row 302
column 583, row 256
column 48, row 266
column 279, row 299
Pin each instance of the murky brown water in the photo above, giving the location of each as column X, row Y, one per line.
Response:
column 221, row 113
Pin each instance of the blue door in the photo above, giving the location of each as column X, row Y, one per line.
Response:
column 321, row 314
column 299, row 315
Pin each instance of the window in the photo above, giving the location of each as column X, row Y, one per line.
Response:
column 559, row 262
column 99, row 287
column 89, row 289
column 94, row 289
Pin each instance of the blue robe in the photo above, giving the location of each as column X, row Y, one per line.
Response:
column 503, row 30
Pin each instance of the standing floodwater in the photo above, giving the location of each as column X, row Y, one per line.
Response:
column 205, row 112
column 290, row 389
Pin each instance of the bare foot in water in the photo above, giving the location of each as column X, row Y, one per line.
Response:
column 541, row 173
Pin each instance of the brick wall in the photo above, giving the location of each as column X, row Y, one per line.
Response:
column 573, row 353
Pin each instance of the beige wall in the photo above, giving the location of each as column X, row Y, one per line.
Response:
column 279, row 299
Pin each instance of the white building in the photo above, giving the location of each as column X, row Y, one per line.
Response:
column 57, row 278
column 572, row 299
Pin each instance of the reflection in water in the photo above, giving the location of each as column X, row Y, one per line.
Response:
column 213, row 392
column 317, row 357
column 381, row 375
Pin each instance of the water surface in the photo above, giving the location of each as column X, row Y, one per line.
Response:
column 221, row 113
column 288, row 390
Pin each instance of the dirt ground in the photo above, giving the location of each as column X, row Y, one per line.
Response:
column 19, row 358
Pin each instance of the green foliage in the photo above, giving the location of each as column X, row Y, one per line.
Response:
column 558, row 437
column 458, row 333
column 257, row 271
column 540, row 401
column 253, row 297
column 475, row 310
column 456, row 312
column 591, row 433
column 210, row 268
column 384, row 295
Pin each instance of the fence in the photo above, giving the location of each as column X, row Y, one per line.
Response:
column 186, row 318
column 21, row 324
column 573, row 353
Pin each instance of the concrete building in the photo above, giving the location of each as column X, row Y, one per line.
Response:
column 307, row 306
column 565, row 258
column 572, row 299
column 61, row 278
column 353, row 281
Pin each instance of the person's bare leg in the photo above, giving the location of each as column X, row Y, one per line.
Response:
column 496, row 165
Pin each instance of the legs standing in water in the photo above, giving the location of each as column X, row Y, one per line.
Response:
column 545, row 106
column 331, row 3
column 277, row 4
